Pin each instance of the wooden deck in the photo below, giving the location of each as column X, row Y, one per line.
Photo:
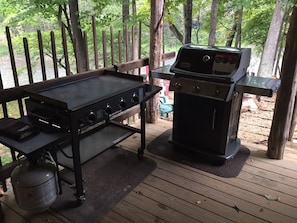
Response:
column 264, row 191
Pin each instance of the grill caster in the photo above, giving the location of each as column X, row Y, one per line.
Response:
column 81, row 199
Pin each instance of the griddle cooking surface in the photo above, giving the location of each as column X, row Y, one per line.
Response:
column 86, row 92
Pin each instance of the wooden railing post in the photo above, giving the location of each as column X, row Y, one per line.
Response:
column 41, row 55
column 279, row 132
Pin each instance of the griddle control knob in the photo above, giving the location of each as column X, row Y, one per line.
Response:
column 178, row 85
column 134, row 97
column 197, row 88
column 108, row 109
column 92, row 116
column 122, row 103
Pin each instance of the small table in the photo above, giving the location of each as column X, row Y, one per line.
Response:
column 36, row 144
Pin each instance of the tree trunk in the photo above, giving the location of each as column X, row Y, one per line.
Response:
column 238, row 33
column 270, row 48
column 135, row 37
column 213, row 23
column 232, row 32
column 125, row 16
column 188, row 6
column 235, row 29
column 286, row 94
column 78, row 40
column 176, row 32
column 156, row 46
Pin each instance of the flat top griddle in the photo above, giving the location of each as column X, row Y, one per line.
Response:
column 77, row 94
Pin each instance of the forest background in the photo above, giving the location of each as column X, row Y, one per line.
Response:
column 236, row 23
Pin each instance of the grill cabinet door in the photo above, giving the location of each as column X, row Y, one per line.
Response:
column 201, row 123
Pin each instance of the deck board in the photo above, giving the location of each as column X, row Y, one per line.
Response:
column 230, row 193
column 132, row 212
column 264, row 191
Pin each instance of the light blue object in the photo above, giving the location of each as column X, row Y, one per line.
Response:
column 165, row 106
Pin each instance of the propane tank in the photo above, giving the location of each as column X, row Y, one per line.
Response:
column 35, row 185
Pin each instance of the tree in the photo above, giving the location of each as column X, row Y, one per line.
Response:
column 135, row 36
column 270, row 48
column 213, row 22
column 257, row 17
column 78, row 40
column 125, row 19
column 31, row 11
column 284, row 105
column 188, row 6
column 156, row 46
column 235, row 29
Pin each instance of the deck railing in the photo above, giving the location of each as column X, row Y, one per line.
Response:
column 12, row 98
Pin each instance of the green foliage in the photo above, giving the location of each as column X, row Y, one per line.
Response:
column 5, row 155
column 144, row 12
column 26, row 15
column 256, row 25
column 29, row 15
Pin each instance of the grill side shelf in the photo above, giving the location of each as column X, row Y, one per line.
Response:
column 162, row 72
column 258, row 85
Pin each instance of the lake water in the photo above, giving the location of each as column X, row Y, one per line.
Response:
column 7, row 76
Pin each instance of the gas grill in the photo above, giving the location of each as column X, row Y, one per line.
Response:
column 85, row 106
column 208, row 84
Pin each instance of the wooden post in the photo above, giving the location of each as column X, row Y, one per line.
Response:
column 54, row 54
column 41, row 55
column 28, row 60
column 104, row 48
column 14, row 70
column 156, row 46
column 111, row 45
column 95, row 42
column 120, row 46
column 86, row 50
column 65, row 50
column 4, row 106
column 286, row 94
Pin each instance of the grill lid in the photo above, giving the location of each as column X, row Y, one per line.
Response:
column 223, row 64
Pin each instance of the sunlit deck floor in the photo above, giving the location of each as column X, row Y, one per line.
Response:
column 264, row 191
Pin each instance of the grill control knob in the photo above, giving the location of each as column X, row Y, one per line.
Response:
column 197, row 88
column 217, row 92
column 108, row 109
column 92, row 116
column 205, row 58
column 122, row 103
column 178, row 85
column 134, row 98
